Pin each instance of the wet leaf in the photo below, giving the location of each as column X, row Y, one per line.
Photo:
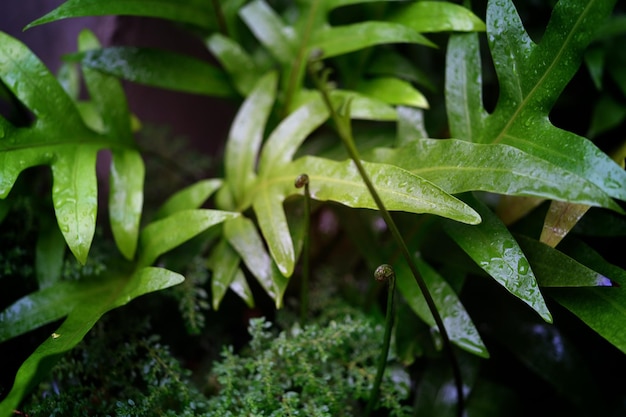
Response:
column 163, row 235
column 461, row 330
column 531, row 77
column 435, row 16
column 186, row 11
column 393, row 91
column 158, row 68
column 83, row 303
column 495, row 250
column 246, row 135
column 555, row 269
column 224, row 262
column 245, row 239
column 191, row 197
column 458, row 166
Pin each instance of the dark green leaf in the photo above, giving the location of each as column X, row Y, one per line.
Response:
column 159, row 68
column 84, row 302
column 194, row 12
column 555, row 269
column 531, row 76
column 495, row 250
column 460, row 328
column 458, row 166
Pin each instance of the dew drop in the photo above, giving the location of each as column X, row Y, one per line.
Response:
column 522, row 266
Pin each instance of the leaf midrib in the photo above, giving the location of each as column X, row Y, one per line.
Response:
column 504, row 132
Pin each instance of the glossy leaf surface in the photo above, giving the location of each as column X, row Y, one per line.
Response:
column 159, row 68
column 495, row 250
column 191, row 197
column 245, row 239
column 555, row 269
column 436, row 16
column 60, row 138
column 531, row 77
column 457, row 321
column 246, row 135
column 166, row 234
column 224, row 262
column 458, row 166
column 185, row 11
column 84, row 304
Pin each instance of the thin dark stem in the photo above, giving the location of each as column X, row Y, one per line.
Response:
column 384, row 272
column 221, row 20
column 303, row 181
column 345, row 133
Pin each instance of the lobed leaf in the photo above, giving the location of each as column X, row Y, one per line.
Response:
column 495, row 250
column 84, row 303
column 531, row 77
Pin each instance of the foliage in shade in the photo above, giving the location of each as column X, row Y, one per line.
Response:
column 471, row 204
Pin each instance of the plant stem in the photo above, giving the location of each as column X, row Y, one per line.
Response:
column 303, row 181
column 221, row 20
column 383, row 272
column 344, row 130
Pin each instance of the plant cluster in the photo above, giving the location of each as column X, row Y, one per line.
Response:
column 494, row 214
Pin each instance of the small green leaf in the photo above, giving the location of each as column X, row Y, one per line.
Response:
column 191, row 197
column 224, row 262
column 269, row 29
column 437, row 16
column 107, row 94
column 268, row 207
column 246, row 135
column 240, row 286
column 166, row 234
column 458, row 324
column 49, row 254
column 244, row 238
column 393, row 91
column 282, row 144
column 75, row 197
column 185, row 11
column 159, row 68
column 239, row 65
column 555, row 269
column 83, row 309
column 126, row 199
column 349, row 38
column 495, row 250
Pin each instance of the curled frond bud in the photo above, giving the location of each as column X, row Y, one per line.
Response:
column 384, row 273
column 302, row 180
